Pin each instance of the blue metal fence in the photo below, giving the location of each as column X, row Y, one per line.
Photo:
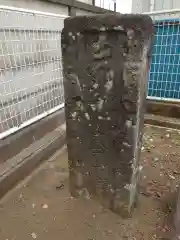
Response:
column 164, row 79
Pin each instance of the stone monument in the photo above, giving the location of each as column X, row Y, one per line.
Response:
column 105, row 64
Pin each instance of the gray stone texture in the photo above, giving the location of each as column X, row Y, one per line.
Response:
column 106, row 60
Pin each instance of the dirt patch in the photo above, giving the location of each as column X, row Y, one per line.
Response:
column 41, row 207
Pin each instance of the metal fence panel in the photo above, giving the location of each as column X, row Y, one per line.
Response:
column 106, row 4
column 164, row 78
column 31, row 85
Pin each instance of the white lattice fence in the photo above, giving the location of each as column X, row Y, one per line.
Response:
column 164, row 79
column 30, row 67
column 106, row 4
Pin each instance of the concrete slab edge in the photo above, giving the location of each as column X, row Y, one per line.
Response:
column 20, row 166
column 162, row 121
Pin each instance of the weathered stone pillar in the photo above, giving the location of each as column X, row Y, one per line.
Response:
column 106, row 61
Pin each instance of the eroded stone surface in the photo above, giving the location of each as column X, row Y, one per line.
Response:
column 105, row 61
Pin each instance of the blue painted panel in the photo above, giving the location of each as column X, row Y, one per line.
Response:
column 164, row 79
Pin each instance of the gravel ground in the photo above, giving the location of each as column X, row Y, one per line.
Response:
column 41, row 207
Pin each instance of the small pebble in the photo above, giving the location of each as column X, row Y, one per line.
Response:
column 156, row 159
column 45, row 206
column 33, row 235
column 168, row 135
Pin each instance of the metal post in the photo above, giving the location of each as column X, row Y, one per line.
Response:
column 115, row 6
